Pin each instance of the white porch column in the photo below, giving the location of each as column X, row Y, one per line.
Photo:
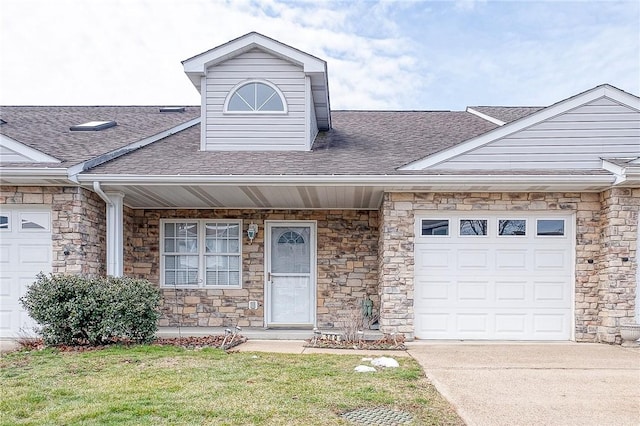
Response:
column 115, row 258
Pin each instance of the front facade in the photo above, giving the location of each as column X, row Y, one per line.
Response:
column 264, row 208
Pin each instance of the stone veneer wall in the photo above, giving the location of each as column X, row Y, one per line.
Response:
column 396, row 256
column 618, row 277
column 347, row 265
column 78, row 225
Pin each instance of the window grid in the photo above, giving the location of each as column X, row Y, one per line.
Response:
column 222, row 249
column 201, row 253
column 255, row 97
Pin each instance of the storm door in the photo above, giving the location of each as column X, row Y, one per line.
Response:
column 290, row 274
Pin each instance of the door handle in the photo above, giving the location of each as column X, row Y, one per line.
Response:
column 268, row 276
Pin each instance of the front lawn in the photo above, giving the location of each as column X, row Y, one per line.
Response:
column 151, row 385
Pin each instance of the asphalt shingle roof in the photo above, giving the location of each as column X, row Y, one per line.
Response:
column 46, row 128
column 360, row 142
column 506, row 114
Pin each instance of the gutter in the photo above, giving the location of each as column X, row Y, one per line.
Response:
column 619, row 172
column 34, row 175
column 34, row 171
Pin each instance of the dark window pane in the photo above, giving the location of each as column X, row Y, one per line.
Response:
column 435, row 227
column 548, row 227
column 512, row 227
column 473, row 227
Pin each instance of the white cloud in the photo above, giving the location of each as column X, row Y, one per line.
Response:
column 124, row 52
column 381, row 55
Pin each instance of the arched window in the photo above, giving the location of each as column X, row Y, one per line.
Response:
column 291, row 237
column 255, row 96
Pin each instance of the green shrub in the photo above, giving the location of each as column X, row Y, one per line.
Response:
column 72, row 309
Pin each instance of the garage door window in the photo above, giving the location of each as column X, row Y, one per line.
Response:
column 34, row 221
column 512, row 227
column 439, row 227
column 473, row 227
column 550, row 227
column 4, row 221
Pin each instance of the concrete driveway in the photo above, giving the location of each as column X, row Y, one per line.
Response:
column 535, row 383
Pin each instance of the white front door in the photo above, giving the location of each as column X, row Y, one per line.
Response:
column 25, row 251
column 290, row 259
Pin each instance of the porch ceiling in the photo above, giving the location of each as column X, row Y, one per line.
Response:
column 249, row 196
column 333, row 193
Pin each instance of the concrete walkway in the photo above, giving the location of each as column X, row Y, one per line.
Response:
column 297, row 347
column 535, row 383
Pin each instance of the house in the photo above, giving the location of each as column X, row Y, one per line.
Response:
column 262, row 207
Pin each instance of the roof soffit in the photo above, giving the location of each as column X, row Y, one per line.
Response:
column 603, row 91
column 196, row 66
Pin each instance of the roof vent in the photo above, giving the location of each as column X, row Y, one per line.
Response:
column 2, row 122
column 172, row 109
column 93, row 126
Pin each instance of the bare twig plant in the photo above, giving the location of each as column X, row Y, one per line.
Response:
column 356, row 323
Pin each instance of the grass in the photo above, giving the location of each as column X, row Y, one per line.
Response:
column 151, row 385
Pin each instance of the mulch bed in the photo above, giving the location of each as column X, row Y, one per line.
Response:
column 388, row 342
column 184, row 342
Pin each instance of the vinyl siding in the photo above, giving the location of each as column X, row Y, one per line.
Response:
column 577, row 139
column 10, row 156
column 313, row 123
column 255, row 132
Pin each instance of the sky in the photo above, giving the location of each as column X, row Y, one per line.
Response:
column 391, row 55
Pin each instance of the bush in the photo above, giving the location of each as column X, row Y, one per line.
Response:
column 73, row 309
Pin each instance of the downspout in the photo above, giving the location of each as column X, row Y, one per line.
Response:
column 98, row 190
column 114, row 230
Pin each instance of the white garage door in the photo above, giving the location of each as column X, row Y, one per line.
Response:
column 25, row 250
column 494, row 276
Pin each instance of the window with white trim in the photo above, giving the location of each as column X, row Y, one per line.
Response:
column 550, row 227
column 255, row 97
column 201, row 253
column 473, row 227
column 512, row 227
column 432, row 227
column 34, row 221
column 5, row 221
